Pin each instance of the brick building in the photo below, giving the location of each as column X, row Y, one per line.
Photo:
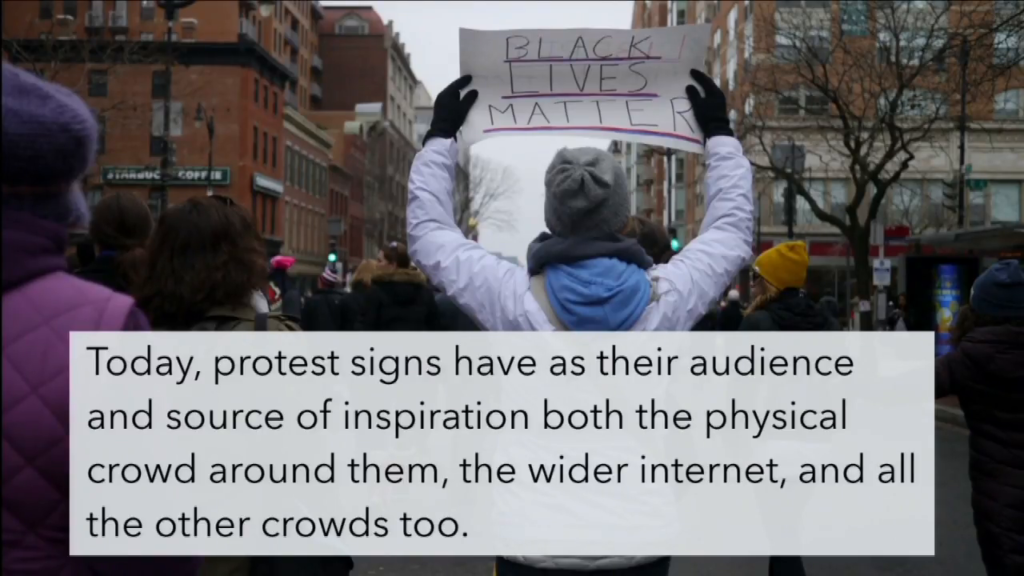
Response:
column 755, row 57
column 307, row 158
column 355, row 43
column 231, row 64
column 346, row 206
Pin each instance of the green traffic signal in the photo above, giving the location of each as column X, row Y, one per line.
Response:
column 332, row 257
column 675, row 245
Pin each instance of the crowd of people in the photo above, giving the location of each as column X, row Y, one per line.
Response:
column 202, row 266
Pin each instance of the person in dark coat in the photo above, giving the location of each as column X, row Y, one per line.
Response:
column 452, row 318
column 328, row 309
column 399, row 298
column 120, row 227
column 709, row 321
column 730, row 318
column 985, row 371
column 780, row 303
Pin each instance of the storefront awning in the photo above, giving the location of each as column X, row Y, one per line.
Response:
column 998, row 237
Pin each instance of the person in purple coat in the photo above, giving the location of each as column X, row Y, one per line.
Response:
column 49, row 141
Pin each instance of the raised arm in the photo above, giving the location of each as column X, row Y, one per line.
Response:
column 706, row 266
column 489, row 289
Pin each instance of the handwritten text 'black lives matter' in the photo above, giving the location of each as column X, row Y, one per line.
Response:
column 606, row 78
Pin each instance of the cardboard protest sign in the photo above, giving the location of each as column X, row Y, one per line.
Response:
column 621, row 84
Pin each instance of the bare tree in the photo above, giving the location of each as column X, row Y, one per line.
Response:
column 483, row 201
column 867, row 88
column 59, row 56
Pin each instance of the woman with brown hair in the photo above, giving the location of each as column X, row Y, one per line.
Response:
column 985, row 371
column 120, row 227
column 653, row 238
column 207, row 260
column 399, row 298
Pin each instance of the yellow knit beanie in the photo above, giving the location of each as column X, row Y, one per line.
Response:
column 784, row 266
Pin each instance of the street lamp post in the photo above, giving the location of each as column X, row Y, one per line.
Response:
column 205, row 116
column 171, row 8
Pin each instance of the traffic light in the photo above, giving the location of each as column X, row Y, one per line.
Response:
column 673, row 233
column 332, row 255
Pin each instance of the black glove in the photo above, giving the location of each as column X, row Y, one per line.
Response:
column 710, row 109
column 451, row 109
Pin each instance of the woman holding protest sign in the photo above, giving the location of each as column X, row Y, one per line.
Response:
column 584, row 275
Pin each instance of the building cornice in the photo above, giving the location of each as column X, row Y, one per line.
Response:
column 299, row 125
column 245, row 53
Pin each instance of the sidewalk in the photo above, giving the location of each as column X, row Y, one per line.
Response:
column 947, row 411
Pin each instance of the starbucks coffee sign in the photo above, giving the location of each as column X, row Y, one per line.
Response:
column 180, row 176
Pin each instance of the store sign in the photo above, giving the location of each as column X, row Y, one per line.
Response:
column 181, row 176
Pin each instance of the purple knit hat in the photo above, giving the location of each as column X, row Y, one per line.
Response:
column 49, row 142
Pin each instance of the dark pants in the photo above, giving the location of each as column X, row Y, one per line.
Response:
column 659, row 567
column 786, row 566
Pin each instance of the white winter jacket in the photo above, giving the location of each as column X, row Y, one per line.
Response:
column 496, row 293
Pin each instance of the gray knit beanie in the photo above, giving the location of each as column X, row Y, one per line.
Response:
column 585, row 194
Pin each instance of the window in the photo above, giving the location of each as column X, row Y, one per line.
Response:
column 93, row 196
column 273, row 152
column 789, row 104
column 915, row 103
column 1007, row 47
column 1010, row 104
column 274, row 108
column 289, row 166
column 790, row 4
column 266, row 97
column 146, row 36
column 156, row 145
column 101, row 138
column 1006, row 201
column 853, row 18
column 71, row 8
column 98, row 83
column 838, row 198
column 273, row 216
column 916, row 46
column 255, row 143
column 905, row 204
column 45, row 9
column 148, row 12
column 976, row 207
column 256, row 90
column 266, row 142
column 263, row 216
column 803, row 214
column 159, row 84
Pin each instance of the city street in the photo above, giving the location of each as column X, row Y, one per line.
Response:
column 957, row 551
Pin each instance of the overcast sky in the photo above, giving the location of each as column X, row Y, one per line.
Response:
column 430, row 31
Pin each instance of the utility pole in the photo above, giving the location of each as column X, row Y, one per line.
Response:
column 965, row 53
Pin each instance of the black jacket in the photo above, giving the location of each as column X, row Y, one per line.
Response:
column 792, row 311
column 453, row 319
column 986, row 372
column 103, row 270
column 730, row 318
column 708, row 322
column 399, row 300
column 329, row 311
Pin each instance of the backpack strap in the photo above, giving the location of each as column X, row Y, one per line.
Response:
column 261, row 322
column 539, row 289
